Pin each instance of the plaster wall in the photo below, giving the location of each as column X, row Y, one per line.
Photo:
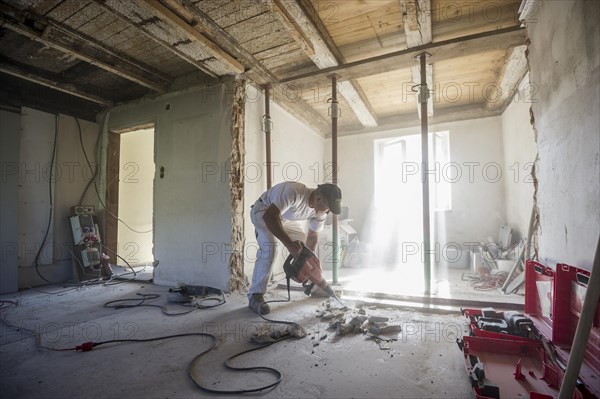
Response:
column 10, row 142
column 192, row 213
column 520, row 150
column 564, row 58
column 297, row 154
column 478, row 197
column 44, row 185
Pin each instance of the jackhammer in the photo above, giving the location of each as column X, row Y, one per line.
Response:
column 306, row 270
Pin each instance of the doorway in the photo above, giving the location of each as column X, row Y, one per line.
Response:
column 132, row 194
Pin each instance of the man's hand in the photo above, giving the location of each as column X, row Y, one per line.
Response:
column 295, row 248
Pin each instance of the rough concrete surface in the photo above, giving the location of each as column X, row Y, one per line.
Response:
column 422, row 361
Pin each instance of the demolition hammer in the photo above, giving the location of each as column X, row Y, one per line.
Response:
column 306, row 269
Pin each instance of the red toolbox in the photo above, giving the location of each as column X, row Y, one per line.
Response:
column 524, row 354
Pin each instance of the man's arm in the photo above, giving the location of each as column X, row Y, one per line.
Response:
column 272, row 218
column 311, row 240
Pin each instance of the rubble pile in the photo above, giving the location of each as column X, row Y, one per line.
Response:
column 357, row 321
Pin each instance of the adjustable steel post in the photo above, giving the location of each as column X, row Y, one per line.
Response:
column 267, row 128
column 423, row 97
column 334, row 166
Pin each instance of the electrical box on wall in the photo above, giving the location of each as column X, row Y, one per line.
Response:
column 86, row 241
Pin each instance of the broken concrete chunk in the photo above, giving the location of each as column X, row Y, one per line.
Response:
column 327, row 315
column 378, row 319
column 296, row 331
column 387, row 329
column 343, row 329
column 358, row 320
column 362, row 311
column 333, row 326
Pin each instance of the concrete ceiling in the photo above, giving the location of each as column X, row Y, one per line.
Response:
column 80, row 57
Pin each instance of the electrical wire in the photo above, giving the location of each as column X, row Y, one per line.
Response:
column 138, row 302
column 51, row 210
column 119, row 256
column 123, row 304
column 93, row 180
column 96, row 169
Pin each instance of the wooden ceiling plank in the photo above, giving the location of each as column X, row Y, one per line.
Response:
column 302, row 29
column 439, row 51
column 513, row 72
column 43, row 7
column 222, row 38
column 257, row 72
column 451, row 114
column 175, row 20
column 373, row 47
column 66, row 10
column 66, row 40
column 296, row 32
column 83, row 16
column 237, row 12
column 69, row 89
column 276, row 50
column 136, row 20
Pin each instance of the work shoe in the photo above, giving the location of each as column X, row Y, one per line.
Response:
column 258, row 305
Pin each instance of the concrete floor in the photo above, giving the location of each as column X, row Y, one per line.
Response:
column 424, row 362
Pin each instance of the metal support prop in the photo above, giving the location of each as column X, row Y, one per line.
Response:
column 582, row 333
column 423, row 97
column 334, row 166
column 267, row 128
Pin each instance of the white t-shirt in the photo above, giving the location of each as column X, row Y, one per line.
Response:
column 291, row 199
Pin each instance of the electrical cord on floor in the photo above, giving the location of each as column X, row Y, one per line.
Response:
column 289, row 298
column 270, row 370
column 140, row 302
column 126, row 303
column 122, row 303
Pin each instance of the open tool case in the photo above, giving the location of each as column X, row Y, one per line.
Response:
column 524, row 354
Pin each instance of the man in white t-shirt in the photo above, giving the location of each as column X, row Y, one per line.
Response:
column 276, row 216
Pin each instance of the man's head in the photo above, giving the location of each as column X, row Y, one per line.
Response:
column 333, row 195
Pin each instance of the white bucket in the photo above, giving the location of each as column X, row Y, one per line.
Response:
column 505, row 265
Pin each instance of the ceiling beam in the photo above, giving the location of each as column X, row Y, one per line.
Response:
column 174, row 20
column 297, row 22
column 416, row 18
column 514, row 69
column 256, row 71
column 62, row 87
column 204, row 24
column 443, row 115
column 64, row 39
column 132, row 14
column 500, row 39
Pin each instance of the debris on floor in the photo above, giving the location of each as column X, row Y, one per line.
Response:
column 359, row 321
column 272, row 332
